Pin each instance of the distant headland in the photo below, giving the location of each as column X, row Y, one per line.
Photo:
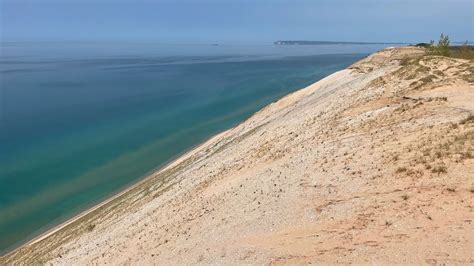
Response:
column 328, row 42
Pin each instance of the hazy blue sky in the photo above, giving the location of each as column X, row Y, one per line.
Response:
column 208, row 21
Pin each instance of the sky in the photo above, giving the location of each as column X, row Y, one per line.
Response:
column 232, row 21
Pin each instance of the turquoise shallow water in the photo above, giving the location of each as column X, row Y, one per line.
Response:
column 79, row 122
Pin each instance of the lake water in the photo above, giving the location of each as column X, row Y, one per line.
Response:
column 80, row 121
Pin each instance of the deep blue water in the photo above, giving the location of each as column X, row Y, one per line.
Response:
column 81, row 121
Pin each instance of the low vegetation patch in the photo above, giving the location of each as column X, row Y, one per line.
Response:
column 443, row 48
column 464, row 51
column 401, row 170
column 90, row 227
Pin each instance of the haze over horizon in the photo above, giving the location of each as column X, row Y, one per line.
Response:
column 256, row 22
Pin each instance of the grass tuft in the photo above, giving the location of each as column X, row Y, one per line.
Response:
column 90, row 227
column 401, row 170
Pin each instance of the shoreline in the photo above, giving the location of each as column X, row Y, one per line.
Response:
column 45, row 226
column 329, row 173
column 151, row 174
column 172, row 162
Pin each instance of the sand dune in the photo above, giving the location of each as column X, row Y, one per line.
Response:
column 373, row 164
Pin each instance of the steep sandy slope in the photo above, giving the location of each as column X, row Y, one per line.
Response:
column 372, row 164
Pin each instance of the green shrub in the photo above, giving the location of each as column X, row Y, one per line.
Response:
column 442, row 48
column 443, row 45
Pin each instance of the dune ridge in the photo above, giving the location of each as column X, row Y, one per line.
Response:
column 372, row 164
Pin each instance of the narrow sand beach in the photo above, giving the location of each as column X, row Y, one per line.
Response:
column 373, row 164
